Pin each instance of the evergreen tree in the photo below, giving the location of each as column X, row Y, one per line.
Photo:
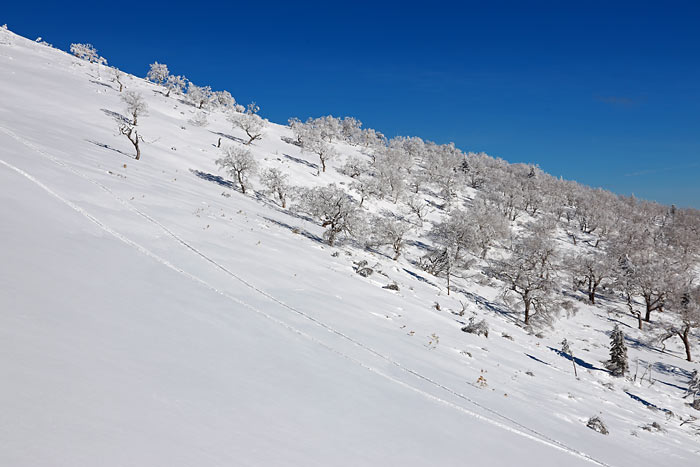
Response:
column 617, row 364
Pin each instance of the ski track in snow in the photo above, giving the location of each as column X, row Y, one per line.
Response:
column 516, row 428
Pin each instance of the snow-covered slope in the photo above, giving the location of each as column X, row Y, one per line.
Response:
column 145, row 319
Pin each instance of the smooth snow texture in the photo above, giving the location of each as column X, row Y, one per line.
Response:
column 147, row 320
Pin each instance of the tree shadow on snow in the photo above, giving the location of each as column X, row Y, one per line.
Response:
column 578, row 361
column 301, row 161
column 107, row 146
column 297, row 230
column 116, row 115
column 229, row 137
column 646, row 403
column 103, row 84
column 214, row 179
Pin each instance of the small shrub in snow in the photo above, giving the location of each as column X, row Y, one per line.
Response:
column 392, row 286
column 596, row 424
column 480, row 328
column 199, row 119
column 653, row 427
column 365, row 272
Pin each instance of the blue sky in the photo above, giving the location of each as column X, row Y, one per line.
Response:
column 605, row 93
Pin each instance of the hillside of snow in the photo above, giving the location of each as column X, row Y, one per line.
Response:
column 152, row 314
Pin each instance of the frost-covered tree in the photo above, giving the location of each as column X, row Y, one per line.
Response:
column 135, row 105
column 250, row 122
column 334, row 208
column 87, row 52
column 529, row 275
column 617, row 365
column 223, row 100
column 117, row 77
column 158, row 73
column 199, row 96
column 354, row 167
column 590, row 269
column 321, row 148
column 390, row 229
column 238, row 163
column 175, row 84
column 367, row 186
column 684, row 303
column 392, row 167
column 445, row 169
column 476, row 169
column 486, row 228
column 418, row 206
column 276, row 184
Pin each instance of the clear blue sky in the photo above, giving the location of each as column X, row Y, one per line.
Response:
column 608, row 95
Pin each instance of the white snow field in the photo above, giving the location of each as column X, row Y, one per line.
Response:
column 147, row 320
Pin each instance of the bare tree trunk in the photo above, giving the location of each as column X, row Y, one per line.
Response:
column 686, row 342
column 527, row 311
column 240, row 182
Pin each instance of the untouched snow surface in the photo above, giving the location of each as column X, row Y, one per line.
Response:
column 145, row 319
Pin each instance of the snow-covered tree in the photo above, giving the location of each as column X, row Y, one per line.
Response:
column 199, row 96
column 175, row 84
column 158, row 73
column 87, row 52
column 321, row 148
column 354, row 167
column 117, row 77
column 418, row 206
column 617, row 365
column 223, row 100
column 276, row 184
column 250, row 122
column 390, row 229
column 486, row 228
column 684, row 303
column 590, row 269
column 135, row 105
column 337, row 211
column 392, row 167
column 529, row 275
column 239, row 163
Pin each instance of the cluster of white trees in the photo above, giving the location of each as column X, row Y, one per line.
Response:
column 87, row 52
column 202, row 97
column 641, row 252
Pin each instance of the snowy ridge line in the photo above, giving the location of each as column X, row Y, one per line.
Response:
column 521, row 429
